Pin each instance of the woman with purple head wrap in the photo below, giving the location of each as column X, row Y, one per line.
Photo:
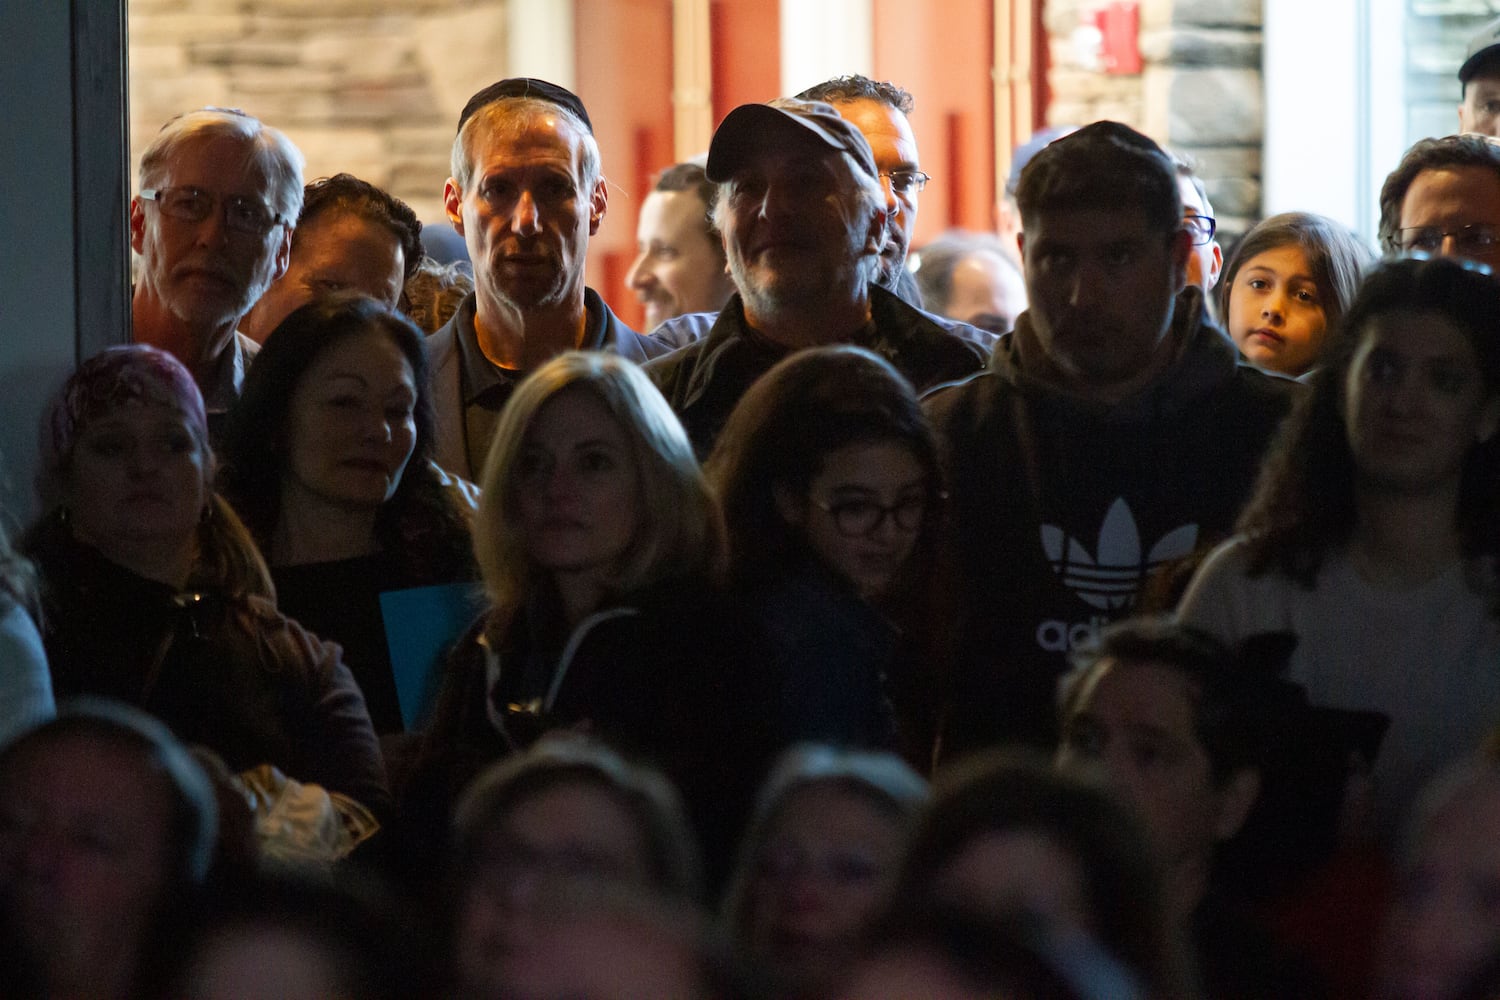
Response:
column 155, row 595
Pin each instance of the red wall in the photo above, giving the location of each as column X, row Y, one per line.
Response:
column 746, row 47
column 624, row 64
column 941, row 53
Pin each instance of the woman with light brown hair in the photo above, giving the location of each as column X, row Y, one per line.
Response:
column 601, row 549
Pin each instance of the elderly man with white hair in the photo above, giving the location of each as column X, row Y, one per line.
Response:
column 219, row 196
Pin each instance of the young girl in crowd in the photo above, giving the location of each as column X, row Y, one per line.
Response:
column 1371, row 535
column 601, row 550
column 328, row 458
column 1286, row 285
column 828, row 474
column 818, row 859
column 154, row 593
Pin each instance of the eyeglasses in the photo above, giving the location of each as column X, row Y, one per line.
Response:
column 1202, row 228
column 906, row 181
column 242, row 213
column 858, row 518
column 1478, row 240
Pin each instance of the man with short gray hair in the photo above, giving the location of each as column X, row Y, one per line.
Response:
column 803, row 217
column 219, row 196
column 527, row 193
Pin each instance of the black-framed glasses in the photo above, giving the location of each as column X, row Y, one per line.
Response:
column 1202, row 228
column 1478, row 240
column 857, row 518
column 242, row 213
column 906, row 181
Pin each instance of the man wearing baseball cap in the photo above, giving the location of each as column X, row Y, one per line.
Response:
column 526, row 194
column 803, row 216
column 1479, row 111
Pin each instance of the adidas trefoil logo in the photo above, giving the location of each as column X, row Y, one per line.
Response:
column 1110, row 578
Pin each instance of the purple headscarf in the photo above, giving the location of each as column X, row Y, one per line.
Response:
column 111, row 378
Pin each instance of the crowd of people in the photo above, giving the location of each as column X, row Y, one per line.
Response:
column 959, row 620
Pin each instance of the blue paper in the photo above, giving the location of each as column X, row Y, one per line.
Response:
column 420, row 624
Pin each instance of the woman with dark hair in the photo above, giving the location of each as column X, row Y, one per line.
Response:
column 154, row 593
column 1009, row 836
column 328, row 458
column 1373, row 532
column 827, row 471
column 601, row 549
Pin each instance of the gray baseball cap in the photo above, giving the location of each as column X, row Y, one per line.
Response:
column 783, row 122
column 1484, row 49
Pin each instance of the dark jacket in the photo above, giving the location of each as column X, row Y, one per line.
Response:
column 231, row 674
column 670, row 676
column 833, row 652
column 704, row 380
column 457, row 450
column 1061, row 507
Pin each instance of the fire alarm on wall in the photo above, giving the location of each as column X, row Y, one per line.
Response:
column 1119, row 25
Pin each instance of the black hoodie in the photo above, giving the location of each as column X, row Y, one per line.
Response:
column 1061, row 506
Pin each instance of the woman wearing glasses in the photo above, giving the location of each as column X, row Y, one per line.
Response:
column 828, row 475
column 601, row 547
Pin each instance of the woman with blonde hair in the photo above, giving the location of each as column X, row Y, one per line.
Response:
column 601, row 549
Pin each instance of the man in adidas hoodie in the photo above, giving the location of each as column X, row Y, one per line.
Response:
column 1114, row 433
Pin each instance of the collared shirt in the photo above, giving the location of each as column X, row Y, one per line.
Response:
column 486, row 387
column 228, row 379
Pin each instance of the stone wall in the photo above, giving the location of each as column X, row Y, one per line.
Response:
column 368, row 86
column 1199, row 93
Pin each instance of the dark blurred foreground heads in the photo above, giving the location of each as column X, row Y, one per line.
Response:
column 1442, row 938
column 107, row 826
column 818, row 860
column 803, row 217
column 285, row 935
column 351, row 236
column 544, row 843
column 1012, row 838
